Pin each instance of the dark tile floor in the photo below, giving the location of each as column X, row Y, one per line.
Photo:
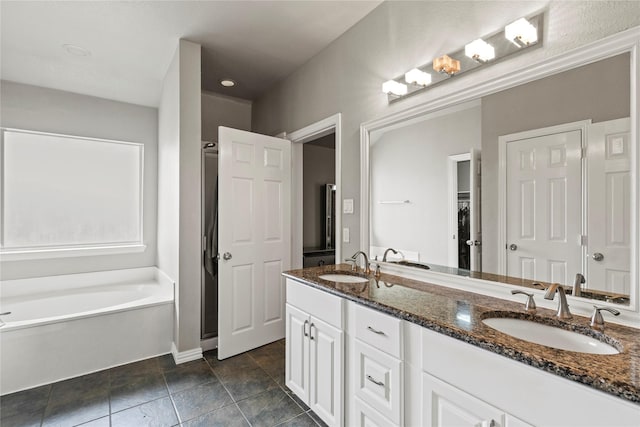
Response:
column 245, row 390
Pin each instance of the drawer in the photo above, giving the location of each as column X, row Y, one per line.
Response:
column 379, row 330
column 378, row 380
column 315, row 302
column 366, row 416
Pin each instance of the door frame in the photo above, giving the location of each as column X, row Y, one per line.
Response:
column 582, row 126
column 453, row 161
column 208, row 343
column 331, row 124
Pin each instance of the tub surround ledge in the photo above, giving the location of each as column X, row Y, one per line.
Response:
column 459, row 314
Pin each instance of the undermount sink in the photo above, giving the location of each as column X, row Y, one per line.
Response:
column 549, row 336
column 343, row 278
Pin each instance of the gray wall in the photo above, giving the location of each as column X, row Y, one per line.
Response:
column 347, row 76
column 220, row 110
column 318, row 169
column 599, row 91
column 48, row 110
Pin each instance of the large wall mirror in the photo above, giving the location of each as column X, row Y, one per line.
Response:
column 534, row 183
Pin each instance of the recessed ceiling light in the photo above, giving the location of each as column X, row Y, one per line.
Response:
column 76, row 50
column 227, row 83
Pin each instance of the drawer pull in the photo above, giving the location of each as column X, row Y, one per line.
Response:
column 375, row 331
column 370, row 378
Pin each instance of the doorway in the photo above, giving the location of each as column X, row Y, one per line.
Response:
column 314, row 132
column 209, row 290
column 318, row 201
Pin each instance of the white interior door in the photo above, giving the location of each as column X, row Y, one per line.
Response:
column 475, row 235
column 254, row 239
column 544, row 207
column 609, row 202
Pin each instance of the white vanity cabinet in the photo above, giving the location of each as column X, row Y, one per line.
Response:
column 315, row 350
column 401, row 374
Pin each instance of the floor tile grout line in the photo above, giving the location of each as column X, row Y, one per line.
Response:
column 228, row 392
column 173, row 403
column 44, row 411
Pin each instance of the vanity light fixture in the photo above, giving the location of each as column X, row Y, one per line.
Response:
column 521, row 33
column 395, row 88
column 447, row 65
column 480, row 51
column 417, row 77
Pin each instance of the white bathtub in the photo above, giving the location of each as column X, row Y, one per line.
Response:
column 64, row 326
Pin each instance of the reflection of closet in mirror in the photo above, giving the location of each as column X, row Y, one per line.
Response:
column 464, row 243
column 318, row 201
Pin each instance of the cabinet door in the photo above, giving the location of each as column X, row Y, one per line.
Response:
column 447, row 406
column 326, row 371
column 297, row 352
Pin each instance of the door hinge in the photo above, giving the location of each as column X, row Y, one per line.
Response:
column 583, row 152
column 583, row 240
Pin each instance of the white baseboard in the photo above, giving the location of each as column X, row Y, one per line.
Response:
column 185, row 356
column 209, row 344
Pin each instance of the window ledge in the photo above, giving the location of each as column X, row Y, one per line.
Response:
column 29, row 254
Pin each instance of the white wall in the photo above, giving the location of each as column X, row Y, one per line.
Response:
column 48, row 110
column 411, row 163
column 220, row 110
column 179, row 208
column 347, row 76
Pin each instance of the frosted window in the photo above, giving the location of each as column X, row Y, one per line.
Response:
column 62, row 191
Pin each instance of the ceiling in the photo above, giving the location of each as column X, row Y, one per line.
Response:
column 131, row 43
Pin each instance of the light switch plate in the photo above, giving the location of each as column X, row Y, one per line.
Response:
column 345, row 235
column 347, row 206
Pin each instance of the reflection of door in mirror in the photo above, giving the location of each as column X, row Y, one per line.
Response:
column 561, row 221
column 544, row 204
column 609, row 207
column 464, row 211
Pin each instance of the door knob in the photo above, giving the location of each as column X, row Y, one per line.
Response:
column 513, row 247
column 597, row 256
column 469, row 242
column 227, row 256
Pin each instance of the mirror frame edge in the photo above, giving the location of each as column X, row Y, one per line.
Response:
column 627, row 41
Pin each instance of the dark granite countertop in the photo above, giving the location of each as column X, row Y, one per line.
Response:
column 459, row 314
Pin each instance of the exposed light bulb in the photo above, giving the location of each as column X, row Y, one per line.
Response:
column 394, row 87
column 521, row 33
column 480, row 51
column 418, row 77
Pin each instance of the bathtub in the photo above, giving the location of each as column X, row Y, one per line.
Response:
column 64, row 326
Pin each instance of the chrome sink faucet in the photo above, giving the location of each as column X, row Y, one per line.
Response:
column 563, row 306
column 384, row 257
column 365, row 267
